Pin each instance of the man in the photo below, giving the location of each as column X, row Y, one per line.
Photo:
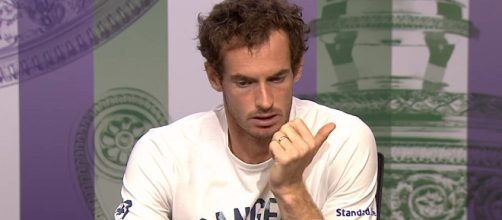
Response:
column 263, row 154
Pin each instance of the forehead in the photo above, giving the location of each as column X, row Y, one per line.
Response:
column 268, row 57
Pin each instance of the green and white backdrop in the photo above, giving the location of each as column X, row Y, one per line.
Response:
column 82, row 80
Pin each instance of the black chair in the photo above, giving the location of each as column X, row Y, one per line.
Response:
column 378, row 196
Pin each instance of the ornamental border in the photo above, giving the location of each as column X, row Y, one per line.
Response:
column 392, row 21
column 475, row 105
column 65, row 46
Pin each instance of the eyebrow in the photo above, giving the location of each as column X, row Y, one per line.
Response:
column 240, row 76
column 280, row 73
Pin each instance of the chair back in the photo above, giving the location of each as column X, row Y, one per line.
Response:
column 378, row 196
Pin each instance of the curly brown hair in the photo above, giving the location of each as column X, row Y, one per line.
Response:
column 251, row 22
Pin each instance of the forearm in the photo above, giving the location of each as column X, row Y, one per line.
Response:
column 296, row 203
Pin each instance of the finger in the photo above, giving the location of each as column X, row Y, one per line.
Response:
column 303, row 131
column 290, row 149
column 293, row 136
column 278, row 134
column 280, row 137
column 277, row 151
column 323, row 134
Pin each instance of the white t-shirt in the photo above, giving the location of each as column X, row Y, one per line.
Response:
column 186, row 170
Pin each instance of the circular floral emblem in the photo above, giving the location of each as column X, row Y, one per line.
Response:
column 121, row 119
column 104, row 140
column 430, row 196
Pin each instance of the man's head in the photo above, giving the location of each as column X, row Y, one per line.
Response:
column 254, row 51
column 237, row 23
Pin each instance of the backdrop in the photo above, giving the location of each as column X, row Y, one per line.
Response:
column 82, row 80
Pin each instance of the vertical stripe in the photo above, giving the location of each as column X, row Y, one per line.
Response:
column 485, row 48
column 485, row 112
column 189, row 89
column 9, row 152
column 50, row 106
column 307, row 85
column 130, row 98
column 9, row 116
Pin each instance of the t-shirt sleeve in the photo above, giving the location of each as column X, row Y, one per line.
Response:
column 146, row 190
column 353, row 186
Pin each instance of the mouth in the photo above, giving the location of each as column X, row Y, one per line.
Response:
column 265, row 120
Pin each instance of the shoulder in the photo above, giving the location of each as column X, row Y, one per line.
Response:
column 193, row 127
column 179, row 137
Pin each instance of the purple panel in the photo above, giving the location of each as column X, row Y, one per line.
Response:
column 485, row 50
column 54, row 95
column 308, row 84
column 485, row 112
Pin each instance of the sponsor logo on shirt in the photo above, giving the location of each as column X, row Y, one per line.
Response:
column 360, row 212
column 263, row 209
column 123, row 209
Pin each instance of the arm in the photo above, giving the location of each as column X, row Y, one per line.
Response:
column 145, row 191
column 296, row 203
column 293, row 148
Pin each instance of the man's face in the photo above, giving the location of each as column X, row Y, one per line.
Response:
column 257, row 87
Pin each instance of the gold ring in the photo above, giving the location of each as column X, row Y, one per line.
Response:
column 282, row 138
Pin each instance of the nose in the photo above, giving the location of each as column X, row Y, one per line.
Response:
column 264, row 97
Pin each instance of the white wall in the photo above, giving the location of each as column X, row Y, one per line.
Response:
column 189, row 90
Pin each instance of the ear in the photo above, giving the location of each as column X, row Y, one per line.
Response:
column 213, row 77
column 299, row 72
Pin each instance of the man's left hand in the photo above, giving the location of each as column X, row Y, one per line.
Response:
column 293, row 147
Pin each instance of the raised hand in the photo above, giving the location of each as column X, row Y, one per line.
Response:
column 293, row 147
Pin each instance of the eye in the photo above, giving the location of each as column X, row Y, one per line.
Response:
column 277, row 79
column 243, row 83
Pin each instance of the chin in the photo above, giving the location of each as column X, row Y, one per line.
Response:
column 264, row 133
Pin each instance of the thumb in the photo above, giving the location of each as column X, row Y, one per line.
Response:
column 323, row 133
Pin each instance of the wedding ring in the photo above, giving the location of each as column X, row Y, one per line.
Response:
column 282, row 138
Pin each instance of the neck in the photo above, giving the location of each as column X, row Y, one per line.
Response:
column 249, row 149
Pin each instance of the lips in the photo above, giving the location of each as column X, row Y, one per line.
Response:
column 265, row 120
